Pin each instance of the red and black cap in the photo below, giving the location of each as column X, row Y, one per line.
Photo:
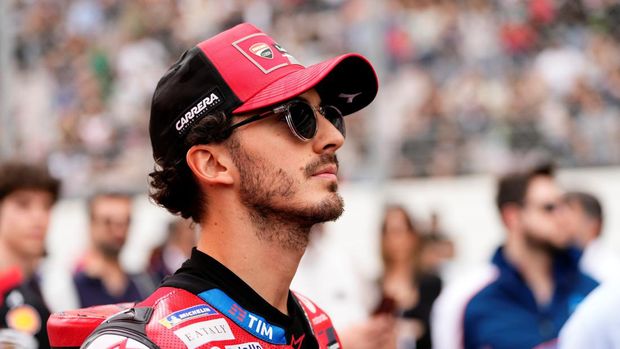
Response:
column 243, row 70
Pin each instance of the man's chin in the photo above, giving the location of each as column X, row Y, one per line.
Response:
column 550, row 246
column 330, row 208
column 110, row 251
column 35, row 253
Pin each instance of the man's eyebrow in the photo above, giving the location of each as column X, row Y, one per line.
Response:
column 297, row 98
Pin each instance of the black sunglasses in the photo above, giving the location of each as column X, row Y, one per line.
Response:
column 301, row 118
column 548, row 207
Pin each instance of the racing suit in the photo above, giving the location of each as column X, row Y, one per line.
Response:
column 205, row 305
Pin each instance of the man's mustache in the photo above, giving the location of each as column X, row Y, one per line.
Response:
column 325, row 159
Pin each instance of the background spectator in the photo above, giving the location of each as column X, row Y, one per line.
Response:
column 166, row 258
column 27, row 194
column 584, row 221
column 437, row 248
column 405, row 287
column 538, row 283
column 595, row 323
column 100, row 278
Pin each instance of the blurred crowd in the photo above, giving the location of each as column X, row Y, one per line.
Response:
column 488, row 83
column 467, row 86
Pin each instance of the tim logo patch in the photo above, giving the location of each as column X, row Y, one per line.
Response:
column 186, row 314
column 264, row 53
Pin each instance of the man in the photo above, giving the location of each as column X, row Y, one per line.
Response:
column 538, row 283
column 584, row 222
column 244, row 139
column 170, row 255
column 27, row 194
column 100, row 278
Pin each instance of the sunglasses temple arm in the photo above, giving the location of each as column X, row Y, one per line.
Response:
column 249, row 120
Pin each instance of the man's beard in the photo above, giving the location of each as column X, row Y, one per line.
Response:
column 108, row 250
column 269, row 194
column 538, row 243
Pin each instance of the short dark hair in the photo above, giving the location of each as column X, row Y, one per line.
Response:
column 512, row 188
column 17, row 175
column 172, row 182
column 590, row 204
column 106, row 194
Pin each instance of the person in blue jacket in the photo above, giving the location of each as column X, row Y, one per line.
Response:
column 538, row 283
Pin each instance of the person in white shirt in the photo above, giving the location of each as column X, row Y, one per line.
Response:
column 596, row 322
column 585, row 222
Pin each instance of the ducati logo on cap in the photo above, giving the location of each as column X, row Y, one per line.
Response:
column 262, row 50
column 272, row 56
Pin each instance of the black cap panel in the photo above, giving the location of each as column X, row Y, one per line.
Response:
column 190, row 89
column 346, row 91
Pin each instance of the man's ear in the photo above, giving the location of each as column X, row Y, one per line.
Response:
column 210, row 164
column 511, row 215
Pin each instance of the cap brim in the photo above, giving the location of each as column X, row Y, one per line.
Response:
column 348, row 81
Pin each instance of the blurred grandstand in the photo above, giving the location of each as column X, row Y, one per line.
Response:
column 466, row 86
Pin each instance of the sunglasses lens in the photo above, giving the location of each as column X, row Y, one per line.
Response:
column 303, row 120
column 550, row 208
column 333, row 115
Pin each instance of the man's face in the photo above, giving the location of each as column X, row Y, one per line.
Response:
column 24, row 219
column 581, row 227
column 109, row 224
column 541, row 215
column 399, row 241
column 184, row 236
column 282, row 179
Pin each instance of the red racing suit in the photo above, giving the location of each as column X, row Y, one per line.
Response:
column 188, row 315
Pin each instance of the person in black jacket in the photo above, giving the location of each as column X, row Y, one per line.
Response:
column 27, row 194
column 408, row 291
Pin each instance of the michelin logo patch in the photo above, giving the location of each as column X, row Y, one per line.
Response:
column 186, row 314
column 206, row 103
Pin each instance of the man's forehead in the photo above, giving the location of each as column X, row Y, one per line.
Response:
column 111, row 203
column 311, row 96
column 28, row 193
column 543, row 187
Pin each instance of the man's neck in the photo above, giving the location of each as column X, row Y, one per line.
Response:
column 400, row 269
column 108, row 269
column 97, row 263
column 535, row 266
column 265, row 265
